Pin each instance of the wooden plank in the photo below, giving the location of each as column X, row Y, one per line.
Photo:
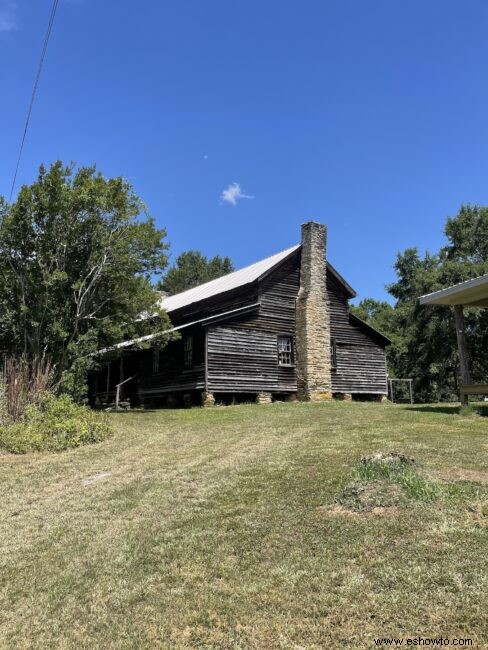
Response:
column 474, row 389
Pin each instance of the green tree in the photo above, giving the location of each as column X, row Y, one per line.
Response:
column 77, row 253
column 193, row 268
column 424, row 339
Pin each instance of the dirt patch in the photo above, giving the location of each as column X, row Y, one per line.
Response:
column 479, row 512
column 341, row 511
column 91, row 480
column 366, row 497
column 461, row 474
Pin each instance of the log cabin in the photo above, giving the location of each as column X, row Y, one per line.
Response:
column 278, row 329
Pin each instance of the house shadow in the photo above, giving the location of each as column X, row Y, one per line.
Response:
column 450, row 409
column 447, row 409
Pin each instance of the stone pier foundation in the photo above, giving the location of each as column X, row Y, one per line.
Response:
column 207, row 399
column 264, row 398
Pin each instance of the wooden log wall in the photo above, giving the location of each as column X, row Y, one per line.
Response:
column 243, row 355
column 360, row 369
column 246, row 360
column 361, row 359
column 173, row 375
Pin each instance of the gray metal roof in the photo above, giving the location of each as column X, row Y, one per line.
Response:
column 473, row 293
column 226, row 282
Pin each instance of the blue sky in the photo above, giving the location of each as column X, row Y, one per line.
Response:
column 368, row 115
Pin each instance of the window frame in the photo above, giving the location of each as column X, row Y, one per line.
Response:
column 333, row 354
column 188, row 350
column 290, row 352
column 155, row 361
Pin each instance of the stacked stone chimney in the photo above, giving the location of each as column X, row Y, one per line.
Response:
column 313, row 355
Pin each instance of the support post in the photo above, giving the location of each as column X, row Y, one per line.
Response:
column 108, row 381
column 206, row 360
column 463, row 350
column 121, row 375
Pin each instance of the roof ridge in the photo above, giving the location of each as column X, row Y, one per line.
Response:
column 225, row 280
column 285, row 250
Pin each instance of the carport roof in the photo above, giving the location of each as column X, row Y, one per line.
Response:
column 472, row 293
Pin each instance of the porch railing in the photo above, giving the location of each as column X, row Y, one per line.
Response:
column 117, row 391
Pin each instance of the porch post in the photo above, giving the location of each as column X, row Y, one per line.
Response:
column 121, row 373
column 463, row 350
column 108, row 381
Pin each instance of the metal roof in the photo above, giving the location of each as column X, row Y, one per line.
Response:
column 226, row 282
column 237, row 279
column 473, row 293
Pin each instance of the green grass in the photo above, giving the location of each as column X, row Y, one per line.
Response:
column 219, row 528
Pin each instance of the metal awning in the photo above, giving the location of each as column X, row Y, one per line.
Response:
column 472, row 293
column 202, row 321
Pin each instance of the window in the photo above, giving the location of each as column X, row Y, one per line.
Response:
column 285, row 351
column 155, row 361
column 333, row 353
column 188, row 350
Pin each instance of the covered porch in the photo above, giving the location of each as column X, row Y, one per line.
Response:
column 472, row 293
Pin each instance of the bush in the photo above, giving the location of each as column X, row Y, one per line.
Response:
column 53, row 424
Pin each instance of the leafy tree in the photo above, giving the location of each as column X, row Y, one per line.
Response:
column 77, row 253
column 424, row 338
column 191, row 269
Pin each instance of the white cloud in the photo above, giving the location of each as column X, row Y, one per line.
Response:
column 233, row 193
column 9, row 16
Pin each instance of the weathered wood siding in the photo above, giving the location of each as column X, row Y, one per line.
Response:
column 173, row 375
column 361, row 360
column 243, row 354
column 360, row 369
column 246, row 360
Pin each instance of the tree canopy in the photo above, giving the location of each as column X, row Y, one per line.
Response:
column 193, row 268
column 77, row 254
column 424, row 338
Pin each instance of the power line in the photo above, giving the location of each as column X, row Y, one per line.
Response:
column 34, row 90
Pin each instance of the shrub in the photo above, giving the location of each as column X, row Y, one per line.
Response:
column 52, row 424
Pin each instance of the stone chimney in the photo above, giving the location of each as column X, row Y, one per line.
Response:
column 313, row 356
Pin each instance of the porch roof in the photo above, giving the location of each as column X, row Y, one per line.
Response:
column 472, row 293
column 215, row 318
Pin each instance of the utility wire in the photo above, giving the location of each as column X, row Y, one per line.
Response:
column 34, row 90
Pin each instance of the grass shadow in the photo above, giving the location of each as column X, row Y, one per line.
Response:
column 452, row 409
column 446, row 410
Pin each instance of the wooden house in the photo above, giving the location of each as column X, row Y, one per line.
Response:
column 278, row 329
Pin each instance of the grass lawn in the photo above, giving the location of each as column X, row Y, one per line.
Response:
column 220, row 528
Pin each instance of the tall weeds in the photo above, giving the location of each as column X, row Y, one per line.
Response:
column 25, row 382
